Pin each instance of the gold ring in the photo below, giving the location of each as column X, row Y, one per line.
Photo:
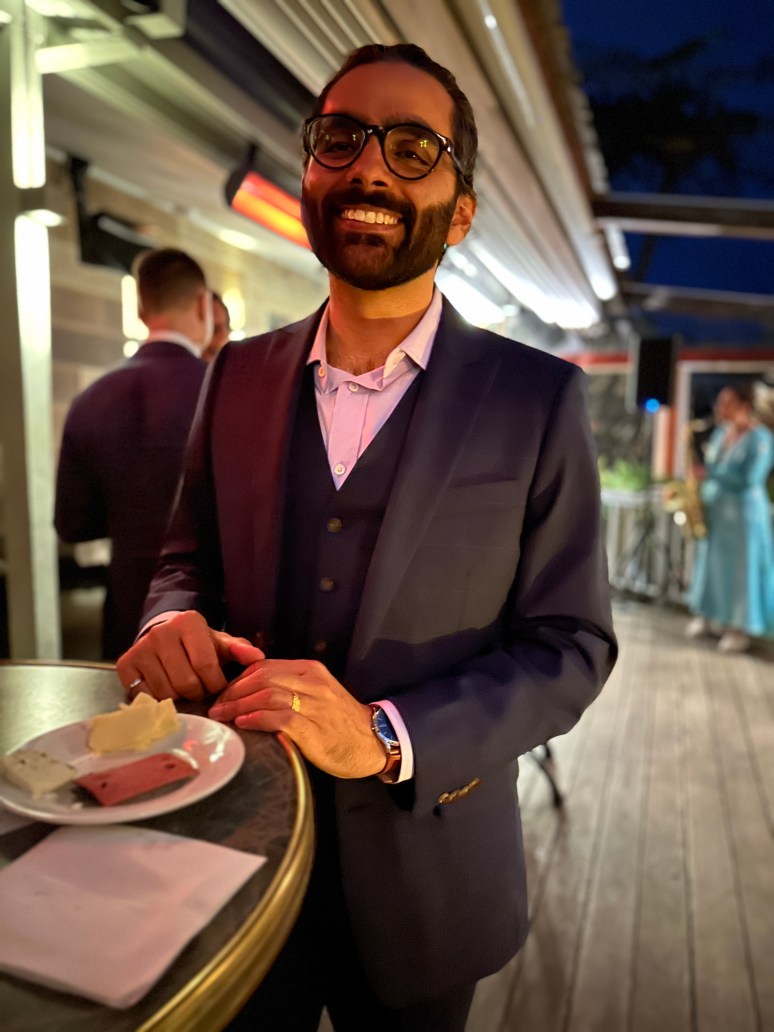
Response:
column 295, row 705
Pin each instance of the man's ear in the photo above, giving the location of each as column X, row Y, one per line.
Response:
column 462, row 219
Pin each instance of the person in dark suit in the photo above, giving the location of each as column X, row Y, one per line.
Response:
column 402, row 512
column 124, row 439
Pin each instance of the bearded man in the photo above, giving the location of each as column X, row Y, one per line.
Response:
column 402, row 511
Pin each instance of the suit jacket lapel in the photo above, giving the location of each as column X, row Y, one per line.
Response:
column 454, row 387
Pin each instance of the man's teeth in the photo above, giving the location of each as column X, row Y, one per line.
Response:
column 370, row 216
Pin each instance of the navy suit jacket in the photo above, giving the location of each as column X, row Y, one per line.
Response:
column 119, row 467
column 485, row 617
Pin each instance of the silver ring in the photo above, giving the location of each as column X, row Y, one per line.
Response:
column 135, row 684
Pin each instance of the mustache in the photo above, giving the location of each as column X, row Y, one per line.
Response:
column 353, row 196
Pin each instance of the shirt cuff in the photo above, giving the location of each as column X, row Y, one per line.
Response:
column 406, row 769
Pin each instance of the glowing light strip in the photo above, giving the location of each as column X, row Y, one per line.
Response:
column 269, row 206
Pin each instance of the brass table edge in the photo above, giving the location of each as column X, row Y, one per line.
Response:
column 80, row 663
column 218, row 991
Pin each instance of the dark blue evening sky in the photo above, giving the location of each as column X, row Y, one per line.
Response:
column 739, row 38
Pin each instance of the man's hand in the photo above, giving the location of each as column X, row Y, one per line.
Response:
column 330, row 727
column 182, row 657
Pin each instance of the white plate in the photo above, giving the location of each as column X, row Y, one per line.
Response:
column 215, row 749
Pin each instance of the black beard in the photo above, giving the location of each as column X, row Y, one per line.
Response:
column 384, row 264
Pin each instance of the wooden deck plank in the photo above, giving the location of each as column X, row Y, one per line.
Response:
column 754, row 676
column 605, row 956
column 750, row 838
column 662, row 982
column 724, row 1000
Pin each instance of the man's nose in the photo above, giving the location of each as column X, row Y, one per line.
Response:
column 369, row 166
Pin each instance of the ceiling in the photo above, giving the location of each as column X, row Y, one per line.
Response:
column 167, row 97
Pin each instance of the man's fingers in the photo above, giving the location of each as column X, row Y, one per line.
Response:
column 174, row 658
column 151, row 674
column 269, row 720
column 249, row 682
column 238, row 649
column 184, row 675
column 275, row 699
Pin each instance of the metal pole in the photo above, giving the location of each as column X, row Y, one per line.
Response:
column 26, row 436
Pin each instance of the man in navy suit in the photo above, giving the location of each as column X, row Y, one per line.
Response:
column 402, row 512
column 124, row 439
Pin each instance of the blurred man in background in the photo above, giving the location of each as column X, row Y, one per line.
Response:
column 221, row 328
column 124, row 438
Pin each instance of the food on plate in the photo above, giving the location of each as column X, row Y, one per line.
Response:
column 133, row 726
column 128, row 780
column 37, row 772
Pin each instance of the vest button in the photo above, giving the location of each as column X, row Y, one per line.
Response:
column 319, row 647
column 334, row 525
column 327, row 584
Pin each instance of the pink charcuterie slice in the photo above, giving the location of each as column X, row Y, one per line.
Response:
column 129, row 780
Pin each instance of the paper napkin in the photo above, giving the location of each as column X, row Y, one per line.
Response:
column 103, row 911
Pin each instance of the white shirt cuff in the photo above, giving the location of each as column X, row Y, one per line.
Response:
column 406, row 770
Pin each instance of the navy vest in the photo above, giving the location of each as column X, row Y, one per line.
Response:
column 329, row 535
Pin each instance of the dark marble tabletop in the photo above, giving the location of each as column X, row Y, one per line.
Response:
column 265, row 809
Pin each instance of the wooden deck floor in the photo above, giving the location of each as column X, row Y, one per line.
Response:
column 652, row 891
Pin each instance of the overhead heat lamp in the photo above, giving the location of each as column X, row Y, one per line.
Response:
column 262, row 201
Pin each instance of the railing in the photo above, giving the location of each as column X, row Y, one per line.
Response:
column 647, row 553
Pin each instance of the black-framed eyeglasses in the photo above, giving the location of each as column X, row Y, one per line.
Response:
column 410, row 151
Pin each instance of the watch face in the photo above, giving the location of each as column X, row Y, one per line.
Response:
column 385, row 730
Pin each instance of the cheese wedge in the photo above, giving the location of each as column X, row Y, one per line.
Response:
column 133, row 727
column 36, row 772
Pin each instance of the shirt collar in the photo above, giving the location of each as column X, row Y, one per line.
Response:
column 173, row 337
column 417, row 346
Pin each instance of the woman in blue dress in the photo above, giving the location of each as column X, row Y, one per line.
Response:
column 732, row 590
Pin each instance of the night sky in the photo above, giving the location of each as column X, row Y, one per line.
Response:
column 729, row 68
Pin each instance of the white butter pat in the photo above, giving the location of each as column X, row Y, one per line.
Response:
column 36, row 772
column 133, row 727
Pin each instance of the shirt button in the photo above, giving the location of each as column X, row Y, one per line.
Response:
column 321, row 370
column 339, row 468
column 334, row 525
column 319, row 647
column 327, row 584
column 354, row 387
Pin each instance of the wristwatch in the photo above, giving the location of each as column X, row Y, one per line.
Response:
column 385, row 732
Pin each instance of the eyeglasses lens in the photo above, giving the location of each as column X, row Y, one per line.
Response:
column 409, row 151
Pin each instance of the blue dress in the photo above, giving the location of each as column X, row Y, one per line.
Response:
column 733, row 578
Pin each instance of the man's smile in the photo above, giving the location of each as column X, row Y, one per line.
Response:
column 370, row 216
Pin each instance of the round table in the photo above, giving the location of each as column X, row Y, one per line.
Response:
column 266, row 809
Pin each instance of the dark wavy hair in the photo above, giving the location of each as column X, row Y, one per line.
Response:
column 464, row 131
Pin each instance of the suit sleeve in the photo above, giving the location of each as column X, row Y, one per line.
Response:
column 558, row 641
column 79, row 513
column 188, row 574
